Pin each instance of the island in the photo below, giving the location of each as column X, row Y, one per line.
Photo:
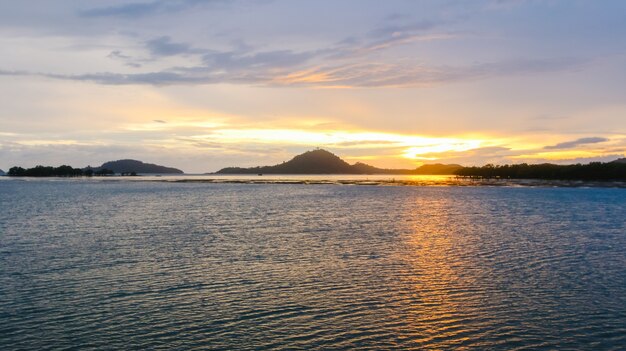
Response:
column 128, row 166
column 47, row 171
column 320, row 161
column 123, row 167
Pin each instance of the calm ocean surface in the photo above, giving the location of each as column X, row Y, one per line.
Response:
column 158, row 265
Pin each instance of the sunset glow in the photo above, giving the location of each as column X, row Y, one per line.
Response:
column 201, row 86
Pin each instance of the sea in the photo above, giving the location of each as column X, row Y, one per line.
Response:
column 310, row 263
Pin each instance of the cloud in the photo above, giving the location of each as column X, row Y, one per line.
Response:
column 140, row 9
column 234, row 61
column 157, row 48
column 245, row 57
column 164, row 46
column 365, row 143
column 569, row 161
column 404, row 74
column 386, row 37
column 4, row 72
column 287, row 68
column 128, row 60
column 505, row 4
column 117, row 54
column 354, row 61
column 577, row 142
column 396, row 30
column 150, row 78
column 128, row 10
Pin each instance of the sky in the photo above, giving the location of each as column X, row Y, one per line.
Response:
column 204, row 84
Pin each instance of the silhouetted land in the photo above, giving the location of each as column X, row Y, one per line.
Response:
column 123, row 167
column 61, row 171
column 2, row 172
column 615, row 170
column 134, row 166
column 324, row 162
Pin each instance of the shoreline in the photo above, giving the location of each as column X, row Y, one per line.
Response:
column 451, row 183
column 442, row 181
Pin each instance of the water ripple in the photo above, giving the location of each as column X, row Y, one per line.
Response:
column 141, row 265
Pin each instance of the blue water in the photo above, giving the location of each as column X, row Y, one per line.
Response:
column 154, row 265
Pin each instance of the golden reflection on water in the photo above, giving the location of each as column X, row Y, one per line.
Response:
column 428, row 177
column 436, row 273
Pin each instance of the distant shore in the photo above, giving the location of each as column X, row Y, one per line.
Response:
column 347, row 180
column 324, row 163
column 451, row 181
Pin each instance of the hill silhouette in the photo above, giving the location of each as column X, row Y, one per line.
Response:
column 125, row 167
column 130, row 166
column 324, row 162
column 2, row 173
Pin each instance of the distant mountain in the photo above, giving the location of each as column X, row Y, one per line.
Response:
column 128, row 166
column 310, row 162
column 2, row 173
column 323, row 162
column 620, row 160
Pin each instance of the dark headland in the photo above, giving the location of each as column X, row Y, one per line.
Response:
column 123, row 167
column 600, row 171
column 324, row 162
column 129, row 166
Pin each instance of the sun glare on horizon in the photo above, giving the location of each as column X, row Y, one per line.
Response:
column 313, row 175
column 395, row 84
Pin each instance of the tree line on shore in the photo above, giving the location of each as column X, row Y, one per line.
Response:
column 61, row 171
column 323, row 162
column 591, row 171
column 125, row 167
